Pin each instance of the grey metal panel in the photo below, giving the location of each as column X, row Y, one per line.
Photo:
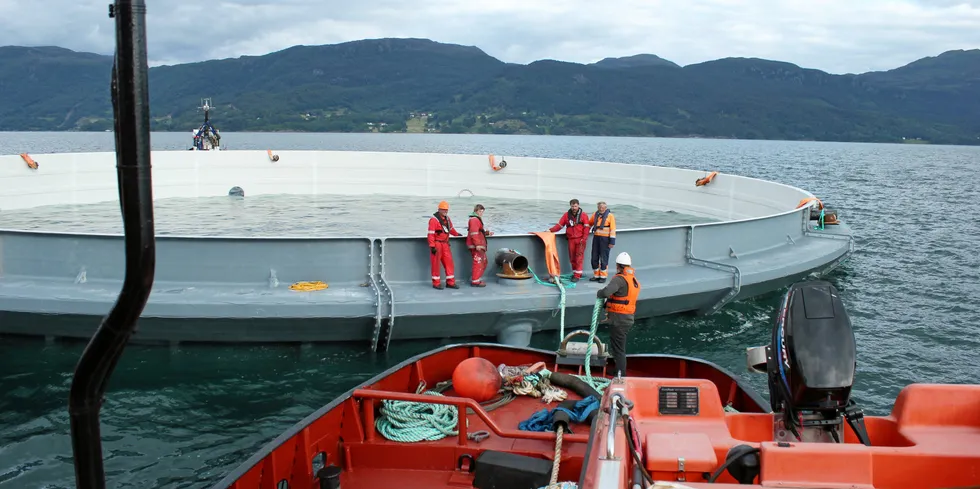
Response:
column 714, row 241
column 204, row 260
column 441, row 314
column 217, row 330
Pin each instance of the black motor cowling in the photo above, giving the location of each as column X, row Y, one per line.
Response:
column 810, row 365
column 813, row 349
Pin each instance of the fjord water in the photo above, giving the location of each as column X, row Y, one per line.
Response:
column 184, row 417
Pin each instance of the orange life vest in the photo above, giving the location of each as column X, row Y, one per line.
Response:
column 627, row 304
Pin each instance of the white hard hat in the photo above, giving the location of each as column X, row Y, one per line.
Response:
column 624, row 259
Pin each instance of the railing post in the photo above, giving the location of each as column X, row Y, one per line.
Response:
column 367, row 407
column 384, row 316
column 387, row 309
column 461, row 423
column 377, row 295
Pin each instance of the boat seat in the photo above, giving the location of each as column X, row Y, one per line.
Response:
column 788, row 464
column 679, row 456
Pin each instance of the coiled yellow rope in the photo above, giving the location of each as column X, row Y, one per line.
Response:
column 308, row 286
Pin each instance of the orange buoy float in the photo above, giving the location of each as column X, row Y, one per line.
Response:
column 30, row 161
column 477, row 379
column 494, row 166
column 808, row 200
column 705, row 180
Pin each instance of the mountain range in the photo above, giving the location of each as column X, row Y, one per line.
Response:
column 418, row 85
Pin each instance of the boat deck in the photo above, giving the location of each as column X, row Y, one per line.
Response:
column 929, row 439
column 912, row 443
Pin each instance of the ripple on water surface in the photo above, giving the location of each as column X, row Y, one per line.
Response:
column 322, row 215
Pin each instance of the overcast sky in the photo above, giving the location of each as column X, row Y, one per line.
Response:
column 838, row 36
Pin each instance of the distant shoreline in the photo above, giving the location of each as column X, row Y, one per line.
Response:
column 905, row 141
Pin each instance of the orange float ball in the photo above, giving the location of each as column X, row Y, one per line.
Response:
column 477, row 379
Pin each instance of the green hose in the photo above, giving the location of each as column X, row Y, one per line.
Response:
column 598, row 384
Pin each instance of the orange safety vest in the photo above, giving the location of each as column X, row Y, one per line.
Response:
column 625, row 305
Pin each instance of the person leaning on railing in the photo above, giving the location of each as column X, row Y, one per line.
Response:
column 576, row 223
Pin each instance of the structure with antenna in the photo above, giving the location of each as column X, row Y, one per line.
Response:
column 206, row 137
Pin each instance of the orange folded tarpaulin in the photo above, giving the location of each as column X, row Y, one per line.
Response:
column 550, row 252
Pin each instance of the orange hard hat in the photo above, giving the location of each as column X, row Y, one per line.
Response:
column 444, row 205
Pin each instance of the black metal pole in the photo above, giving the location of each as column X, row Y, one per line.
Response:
column 131, row 105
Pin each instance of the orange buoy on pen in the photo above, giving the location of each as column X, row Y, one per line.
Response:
column 477, row 379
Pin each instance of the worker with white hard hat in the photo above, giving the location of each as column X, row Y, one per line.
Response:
column 621, row 295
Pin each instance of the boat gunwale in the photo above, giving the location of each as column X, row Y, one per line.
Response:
column 588, row 450
column 238, row 472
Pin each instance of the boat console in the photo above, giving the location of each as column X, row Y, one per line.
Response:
column 810, row 365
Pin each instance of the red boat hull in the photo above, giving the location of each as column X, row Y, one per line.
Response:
column 343, row 431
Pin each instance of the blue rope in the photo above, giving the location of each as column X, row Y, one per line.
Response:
column 543, row 419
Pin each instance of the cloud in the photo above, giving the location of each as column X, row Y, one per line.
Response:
column 838, row 36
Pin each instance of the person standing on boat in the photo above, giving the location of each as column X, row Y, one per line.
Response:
column 603, row 240
column 440, row 228
column 476, row 241
column 621, row 295
column 576, row 224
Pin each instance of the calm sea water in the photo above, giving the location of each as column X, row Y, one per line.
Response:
column 184, row 417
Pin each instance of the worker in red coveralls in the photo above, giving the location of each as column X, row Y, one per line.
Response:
column 440, row 227
column 476, row 241
column 576, row 224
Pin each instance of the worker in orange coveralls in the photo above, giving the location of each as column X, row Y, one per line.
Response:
column 440, row 227
column 576, row 224
column 476, row 241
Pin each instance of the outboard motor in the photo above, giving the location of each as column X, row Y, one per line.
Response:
column 810, row 364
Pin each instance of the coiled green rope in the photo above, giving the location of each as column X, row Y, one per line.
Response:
column 409, row 421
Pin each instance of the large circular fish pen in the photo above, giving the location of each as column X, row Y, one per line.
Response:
column 694, row 247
